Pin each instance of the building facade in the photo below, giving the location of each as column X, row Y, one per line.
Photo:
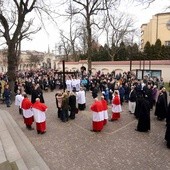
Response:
column 31, row 60
column 51, row 61
column 157, row 28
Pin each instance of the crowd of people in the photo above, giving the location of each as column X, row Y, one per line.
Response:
column 106, row 89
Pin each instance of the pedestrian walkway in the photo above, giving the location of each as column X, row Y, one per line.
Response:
column 73, row 146
column 16, row 151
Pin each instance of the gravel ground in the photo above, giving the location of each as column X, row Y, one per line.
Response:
column 73, row 146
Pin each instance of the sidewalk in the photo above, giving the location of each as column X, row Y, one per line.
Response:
column 16, row 151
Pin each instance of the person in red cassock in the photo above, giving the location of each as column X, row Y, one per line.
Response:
column 97, row 109
column 105, row 112
column 116, row 106
column 40, row 116
column 26, row 106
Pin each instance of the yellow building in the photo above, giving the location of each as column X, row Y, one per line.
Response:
column 157, row 28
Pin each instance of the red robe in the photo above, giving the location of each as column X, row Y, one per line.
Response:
column 26, row 105
column 98, row 117
column 116, row 108
column 39, row 116
column 105, row 112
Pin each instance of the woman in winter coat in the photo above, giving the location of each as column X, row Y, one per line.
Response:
column 72, row 104
column 65, row 107
column 59, row 98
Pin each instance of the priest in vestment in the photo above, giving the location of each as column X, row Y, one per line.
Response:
column 39, row 110
column 116, row 106
column 105, row 108
column 26, row 106
column 98, row 117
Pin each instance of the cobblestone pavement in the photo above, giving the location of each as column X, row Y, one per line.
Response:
column 73, row 146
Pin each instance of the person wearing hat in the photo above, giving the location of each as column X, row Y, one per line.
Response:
column 116, row 106
column 39, row 110
column 97, row 115
column 26, row 106
column 105, row 108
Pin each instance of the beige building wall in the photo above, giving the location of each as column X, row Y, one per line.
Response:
column 121, row 66
column 156, row 28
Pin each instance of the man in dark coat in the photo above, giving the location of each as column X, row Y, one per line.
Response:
column 6, row 95
column 144, row 116
column 161, row 106
column 132, row 100
column 94, row 91
column 148, row 93
column 167, row 133
column 37, row 93
column 72, row 104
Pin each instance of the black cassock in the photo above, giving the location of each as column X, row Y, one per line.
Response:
column 161, row 107
column 167, row 133
column 144, row 116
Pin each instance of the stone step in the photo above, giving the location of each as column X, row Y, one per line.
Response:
column 8, row 166
column 8, row 149
column 30, row 156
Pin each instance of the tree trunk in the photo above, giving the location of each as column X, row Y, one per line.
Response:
column 89, row 43
column 12, row 59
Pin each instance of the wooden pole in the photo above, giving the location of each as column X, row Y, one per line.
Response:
column 130, row 65
column 149, row 64
column 64, row 76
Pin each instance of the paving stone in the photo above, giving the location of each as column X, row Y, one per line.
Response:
column 73, row 146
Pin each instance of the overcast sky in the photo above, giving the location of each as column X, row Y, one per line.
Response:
column 141, row 15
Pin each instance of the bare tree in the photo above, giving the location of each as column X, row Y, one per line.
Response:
column 118, row 28
column 83, row 38
column 64, row 45
column 15, row 25
column 147, row 2
column 68, row 41
column 90, row 10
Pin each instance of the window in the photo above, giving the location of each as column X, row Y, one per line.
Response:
column 167, row 43
column 168, row 25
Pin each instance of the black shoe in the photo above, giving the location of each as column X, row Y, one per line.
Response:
column 38, row 132
column 111, row 120
column 43, row 132
column 95, row 130
column 31, row 128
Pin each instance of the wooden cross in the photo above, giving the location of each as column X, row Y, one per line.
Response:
column 64, row 74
